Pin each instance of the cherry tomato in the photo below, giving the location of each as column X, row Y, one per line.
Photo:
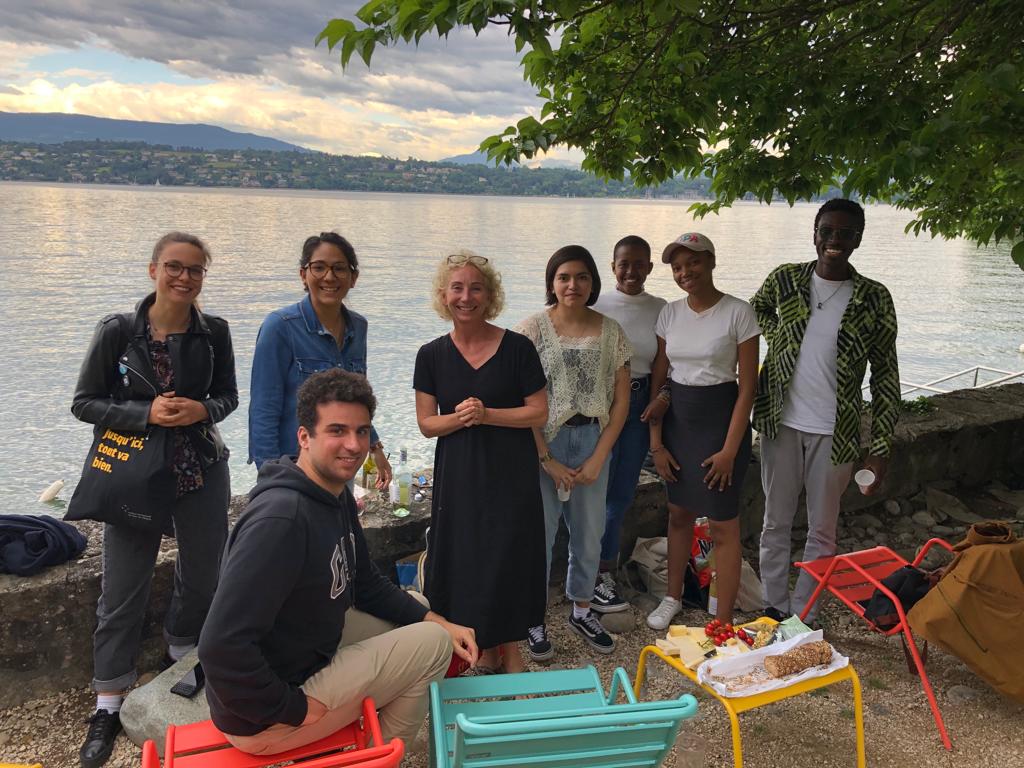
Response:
column 741, row 635
column 728, row 627
column 729, row 633
column 749, row 640
column 709, row 631
column 715, row 623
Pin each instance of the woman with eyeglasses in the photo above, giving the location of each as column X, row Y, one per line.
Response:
column 169, row 366
column 586, row 360
column 313, row 335
column 707, row 354
column 479, row 390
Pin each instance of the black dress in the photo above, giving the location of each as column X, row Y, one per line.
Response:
column 486, row 561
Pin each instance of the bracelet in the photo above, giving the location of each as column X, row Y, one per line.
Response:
column 378, row 446
column 655, row 450
column 546, row 458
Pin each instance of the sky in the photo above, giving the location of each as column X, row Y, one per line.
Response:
column 250, row 65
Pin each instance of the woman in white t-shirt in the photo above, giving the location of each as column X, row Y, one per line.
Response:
column 702, row 445
column 585, row 357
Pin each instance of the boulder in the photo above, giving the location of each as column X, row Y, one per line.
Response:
column 149, row 709
column 619, row 623
column 944, row 505
column 924, row 519
column 867, row 521
column 892, row 506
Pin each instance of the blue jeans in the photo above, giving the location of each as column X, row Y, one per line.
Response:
column 583, row 512
column 624, row 470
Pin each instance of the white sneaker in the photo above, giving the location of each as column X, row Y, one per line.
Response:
column 662, row 616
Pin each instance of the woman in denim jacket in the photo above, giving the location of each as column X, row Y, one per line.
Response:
column 315, row 334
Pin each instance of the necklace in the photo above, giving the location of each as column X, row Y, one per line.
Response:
column 825, row 301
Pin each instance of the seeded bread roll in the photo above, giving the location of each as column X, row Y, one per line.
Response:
column 798, row 659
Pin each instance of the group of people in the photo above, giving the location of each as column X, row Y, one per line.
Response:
column 550, row 421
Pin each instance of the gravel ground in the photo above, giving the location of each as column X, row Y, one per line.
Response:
column 812, row 731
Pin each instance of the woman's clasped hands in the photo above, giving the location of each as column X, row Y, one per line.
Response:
column 169, row 410
column 471, row 412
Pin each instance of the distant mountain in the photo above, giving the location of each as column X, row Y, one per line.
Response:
column 57, row 127
column 540, row 161
column 474, row 158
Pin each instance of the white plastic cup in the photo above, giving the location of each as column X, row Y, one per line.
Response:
column 563, row 493
column 864, row 478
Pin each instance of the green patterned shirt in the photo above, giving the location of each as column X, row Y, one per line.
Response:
column 867, row 334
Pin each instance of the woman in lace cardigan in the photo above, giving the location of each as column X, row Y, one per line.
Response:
column 585, row 356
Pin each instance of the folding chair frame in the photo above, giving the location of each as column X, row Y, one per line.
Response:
column 846, row 568
column 201, row 744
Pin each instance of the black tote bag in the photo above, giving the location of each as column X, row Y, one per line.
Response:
column 127, row 479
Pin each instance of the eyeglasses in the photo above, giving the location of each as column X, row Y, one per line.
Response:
column 174, row 269
column 841, row 233
column 320, row 268
column 456, row 259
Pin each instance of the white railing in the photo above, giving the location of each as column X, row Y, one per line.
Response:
column 930, row 387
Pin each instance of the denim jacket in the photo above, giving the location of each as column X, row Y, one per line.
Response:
column 291, row 345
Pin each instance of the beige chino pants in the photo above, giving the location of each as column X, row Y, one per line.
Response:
column 392, row 665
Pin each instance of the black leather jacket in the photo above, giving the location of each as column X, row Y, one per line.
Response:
column 117, row 384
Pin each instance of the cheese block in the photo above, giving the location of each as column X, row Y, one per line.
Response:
column 678, row 630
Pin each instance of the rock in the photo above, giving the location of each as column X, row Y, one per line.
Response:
column 923, row 519
column 4, row 738
column 149, row 709
column 1013, row 498
column 942, row 530
column 619, row 623
column 893, row 507
column 879, row 708
column 961, row 693
column 867, row 521
column 949, row 506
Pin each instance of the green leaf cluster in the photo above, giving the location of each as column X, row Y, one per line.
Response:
column 919, row 103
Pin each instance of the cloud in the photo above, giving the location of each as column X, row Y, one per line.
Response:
column 261, row 73
column 337, row 125
column 274, row 40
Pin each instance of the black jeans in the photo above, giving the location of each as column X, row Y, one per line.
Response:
column 129, row 556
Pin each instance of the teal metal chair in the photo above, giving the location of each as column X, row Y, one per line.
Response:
column 553, row 719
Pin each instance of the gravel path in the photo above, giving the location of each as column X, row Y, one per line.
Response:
column 811, row 731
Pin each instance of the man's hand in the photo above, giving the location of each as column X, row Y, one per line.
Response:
column 463, row 638
column 315, row 709
column 879, row 465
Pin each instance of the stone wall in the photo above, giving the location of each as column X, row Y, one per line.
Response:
column 964, row 458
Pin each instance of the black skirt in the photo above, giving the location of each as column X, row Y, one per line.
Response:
column 694, row 430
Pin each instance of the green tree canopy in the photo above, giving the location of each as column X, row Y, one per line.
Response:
column 919, row 103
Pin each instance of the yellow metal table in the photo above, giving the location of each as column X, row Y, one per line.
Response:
column 734, row 705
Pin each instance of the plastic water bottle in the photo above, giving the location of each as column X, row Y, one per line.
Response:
column 404, row 476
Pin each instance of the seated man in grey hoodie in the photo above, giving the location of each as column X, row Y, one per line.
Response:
column 303, row 626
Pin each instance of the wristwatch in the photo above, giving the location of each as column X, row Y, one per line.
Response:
column 546, row 458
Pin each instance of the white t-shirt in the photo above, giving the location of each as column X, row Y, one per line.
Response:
column 810, row 404
column 637, row 315
column 701, row 347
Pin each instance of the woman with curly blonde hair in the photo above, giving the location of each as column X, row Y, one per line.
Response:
column 479, row 390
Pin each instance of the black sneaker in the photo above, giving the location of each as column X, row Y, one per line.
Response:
column 590, row 629
column 99, row 742
column 538, row 643
column 606, row 597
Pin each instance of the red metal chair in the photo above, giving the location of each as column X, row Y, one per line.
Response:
column 853, row 578
column 201, row 745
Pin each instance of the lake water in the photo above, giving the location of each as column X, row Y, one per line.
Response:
column 71, row 254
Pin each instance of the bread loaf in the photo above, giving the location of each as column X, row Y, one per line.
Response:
column 798, row 659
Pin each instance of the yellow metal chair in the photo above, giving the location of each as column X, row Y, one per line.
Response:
column 735, row 705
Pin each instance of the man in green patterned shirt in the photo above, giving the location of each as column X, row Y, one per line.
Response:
column 824, row 323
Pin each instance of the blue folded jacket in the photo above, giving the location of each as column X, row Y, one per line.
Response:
column 30, row 543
